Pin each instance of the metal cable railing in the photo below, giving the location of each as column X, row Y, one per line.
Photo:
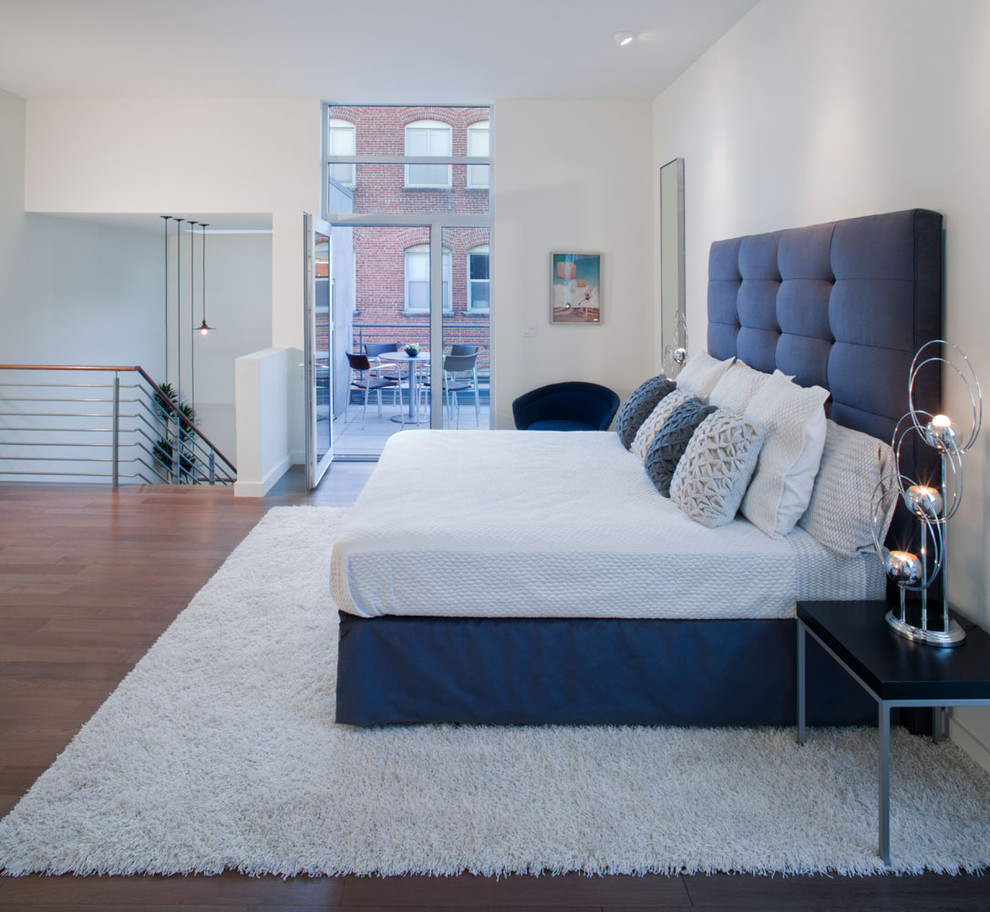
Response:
column 53, row 426
column 453, row 332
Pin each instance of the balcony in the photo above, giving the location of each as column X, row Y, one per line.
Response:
column 351, row 440
column 354, row 437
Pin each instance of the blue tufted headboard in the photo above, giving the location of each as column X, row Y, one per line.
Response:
column 844, row 305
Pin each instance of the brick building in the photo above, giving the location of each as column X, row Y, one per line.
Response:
column 391, row 265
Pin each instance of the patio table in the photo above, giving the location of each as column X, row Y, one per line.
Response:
column 400, row 357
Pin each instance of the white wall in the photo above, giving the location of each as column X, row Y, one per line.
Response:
column 92, row 295
column 72, row 292
column 572, row 176
column 239, row 306
column 814, row 110
column 182, row 157
column 12, row 113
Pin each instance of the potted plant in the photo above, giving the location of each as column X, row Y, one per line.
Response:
column 168, row 406
column 412, row 349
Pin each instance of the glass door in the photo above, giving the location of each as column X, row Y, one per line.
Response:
column 318, row 343
column 463, row 345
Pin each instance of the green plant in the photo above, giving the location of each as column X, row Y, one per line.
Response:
column 168, row 406
column 167, row 401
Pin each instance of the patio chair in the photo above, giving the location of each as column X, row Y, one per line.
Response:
column 374, row 349
column 460, row 375
column 364, row 377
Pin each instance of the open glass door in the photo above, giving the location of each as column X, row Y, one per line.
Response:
column 318, row 322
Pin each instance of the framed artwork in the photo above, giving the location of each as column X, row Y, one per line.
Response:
column 575, row 288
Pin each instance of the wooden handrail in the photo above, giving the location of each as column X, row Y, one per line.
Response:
column 134, row 368
column 70, row 367
column 183, row 418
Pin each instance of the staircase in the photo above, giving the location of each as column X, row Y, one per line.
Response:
column 62, row 422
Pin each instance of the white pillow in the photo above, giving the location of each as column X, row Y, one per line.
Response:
column 855, row 469
column 737, row 387
column 793, row 419
column 649, row 428
column 701, row 373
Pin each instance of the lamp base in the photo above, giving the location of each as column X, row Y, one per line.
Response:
column 953, row 636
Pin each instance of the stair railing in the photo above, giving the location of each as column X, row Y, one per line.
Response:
column 117, row 423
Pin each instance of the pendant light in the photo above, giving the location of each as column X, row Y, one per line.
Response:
column 204, row 327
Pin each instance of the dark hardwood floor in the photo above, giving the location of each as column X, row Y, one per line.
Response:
column 90, row 577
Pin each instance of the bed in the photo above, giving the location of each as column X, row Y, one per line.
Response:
column 505, row 577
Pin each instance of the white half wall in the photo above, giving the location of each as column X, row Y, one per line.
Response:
column 571, row 176
column 263, row 410
column 813, row 110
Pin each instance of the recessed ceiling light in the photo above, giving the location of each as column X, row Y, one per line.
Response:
column 623, row 38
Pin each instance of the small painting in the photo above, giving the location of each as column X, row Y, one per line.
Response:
column 575, row 288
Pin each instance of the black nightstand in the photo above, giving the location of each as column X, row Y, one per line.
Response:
column 894, row 671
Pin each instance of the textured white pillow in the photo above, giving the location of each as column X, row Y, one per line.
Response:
column 711, row 477
column 648, row 429
column 737, row 387
column 701, row 373
column 793, row 419
column 840, row 513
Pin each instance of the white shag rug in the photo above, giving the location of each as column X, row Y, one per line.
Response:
column 219, row 751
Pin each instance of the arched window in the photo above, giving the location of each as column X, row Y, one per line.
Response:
column 342, row 141
column 478, row 279
column 478, row 146
column 428, row 138
column 417, row 270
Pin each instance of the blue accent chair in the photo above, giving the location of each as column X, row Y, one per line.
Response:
column 574, row 405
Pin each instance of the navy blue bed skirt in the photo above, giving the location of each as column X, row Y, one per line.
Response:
column 598, row 671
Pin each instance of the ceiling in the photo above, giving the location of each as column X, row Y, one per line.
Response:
column 362, row 51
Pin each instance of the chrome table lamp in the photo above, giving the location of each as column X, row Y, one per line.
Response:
column 932, row 507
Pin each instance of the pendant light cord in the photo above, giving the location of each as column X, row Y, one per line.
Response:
column 178, row 309
column 192, row 315
column 166, row 218
column 205, row 326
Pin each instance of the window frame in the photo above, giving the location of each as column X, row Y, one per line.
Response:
column 477, row 251
column 340, row 125
column 474, row 129
column 446, row 271
column 433, row 128
column 414, row 215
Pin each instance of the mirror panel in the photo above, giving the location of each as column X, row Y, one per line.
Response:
column 673, row 323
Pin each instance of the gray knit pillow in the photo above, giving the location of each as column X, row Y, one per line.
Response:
column 638, row 406
column 711, row 478
column 672, row 440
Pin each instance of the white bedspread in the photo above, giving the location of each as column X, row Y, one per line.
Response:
column 549, row 524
